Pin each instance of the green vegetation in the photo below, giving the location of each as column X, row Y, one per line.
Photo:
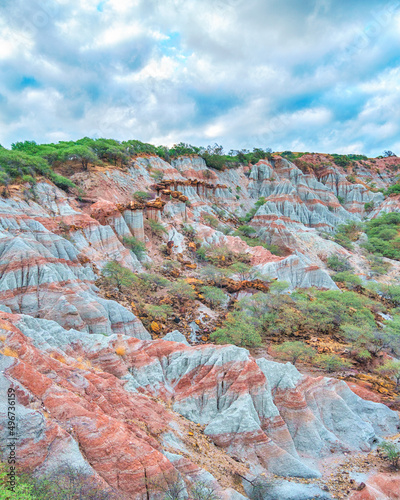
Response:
column 346, row 234
column 237, row 330
column 216, row 158
column 350, row 280
column 141, row 196
column 384, row 236
column 246, row 230
column 158, row 312
column 66, row 483
column 338, row 264
column 136, row 246
column 214, row 295
column 182, row 290
column 346, row 315
column 156, row 227
column 395, row 189
column 211, row 220
column 391, row 453
column 369, row 206
column 332, row 363
column 16, row 164
column 222, row 255
column 341, row 160
column 391, row 368
column 118, row 276
column 251, row 214
column 248, row 234
column 378, row 266
column 294, row 351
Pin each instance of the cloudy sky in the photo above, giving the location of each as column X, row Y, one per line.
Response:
column 300, row 75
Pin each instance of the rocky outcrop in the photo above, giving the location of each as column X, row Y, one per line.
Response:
column 379, row 487
column 49, row 275
column 71, row 412
column 105, row 400
column 297, row 269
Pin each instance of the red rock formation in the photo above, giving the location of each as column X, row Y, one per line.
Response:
column 379, row 487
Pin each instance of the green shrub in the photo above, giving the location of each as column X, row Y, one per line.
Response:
column 118, row 276
column 332, row 363
column 391, row 368
column 61, row 181
column 154, row 280
column 391, row 452
column 378, row 266
column 136, row 246
column 246, row 230
column 188, row 231
column 214, row 295
column 350, row 280
column 314, row 313
column 156, row 227
column 224, row 256
column 237, row 330
column 141, row 196
column 338, row 264
column 383, row 236
column 295, row 351
column 211, row 220
column 182, row 290
column 395, row 189
column 159, row 312
column 369, row 206
column 29, row 178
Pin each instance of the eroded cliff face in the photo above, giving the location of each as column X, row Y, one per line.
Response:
column 95, row 390
column 115, row 406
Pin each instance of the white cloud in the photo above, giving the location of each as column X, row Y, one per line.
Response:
column 252, row 73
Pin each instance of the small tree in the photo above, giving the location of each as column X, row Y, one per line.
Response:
column 211, row 220
column 350, row 280
column 136, row 246
column 203, row 491
column 213, row 295
column 237, row 329
column 338, row 264
column 118, row 276
column 182, row 290
column 244, row 271
column 391, row 452
column 159, row 312
column 141, row 196
column 156, row 227
column 247, row 230
column 332, row 363
column 68, row 483
column 81, row 153
column 391, row 369
column 172, row 489
column 295, row 351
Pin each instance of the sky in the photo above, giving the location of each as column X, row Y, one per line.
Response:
column 298, row 75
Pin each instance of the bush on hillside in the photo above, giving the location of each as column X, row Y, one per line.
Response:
column 383, row 236
column 136, row 246
column 294, row 351
column 237, row 330
column 118, row 276
column 338, row 264
column 214, row 295
column 332, row 363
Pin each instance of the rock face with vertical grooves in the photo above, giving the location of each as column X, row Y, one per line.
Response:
column 46, row 275
column 97, row 402
column 162, row 408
